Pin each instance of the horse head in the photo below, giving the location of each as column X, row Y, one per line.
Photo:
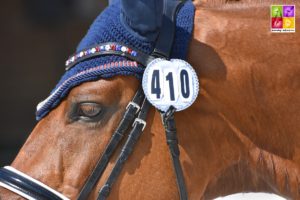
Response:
column 79, row 118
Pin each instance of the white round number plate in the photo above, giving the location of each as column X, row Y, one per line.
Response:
column 170, row 83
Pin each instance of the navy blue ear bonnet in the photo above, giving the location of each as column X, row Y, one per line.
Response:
column 108, row 28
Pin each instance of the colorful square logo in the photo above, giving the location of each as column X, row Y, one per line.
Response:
column 283, row 18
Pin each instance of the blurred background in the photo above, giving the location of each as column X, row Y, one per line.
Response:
column 36, row 38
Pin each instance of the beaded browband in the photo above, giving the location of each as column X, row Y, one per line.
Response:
column 109, row 48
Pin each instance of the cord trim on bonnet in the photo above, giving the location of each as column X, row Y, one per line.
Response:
column 105, row 71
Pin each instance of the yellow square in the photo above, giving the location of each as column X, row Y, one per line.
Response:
column 288, row 22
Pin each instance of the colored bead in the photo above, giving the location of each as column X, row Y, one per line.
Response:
column 113, row 47
column 124, row 49
column 129, row 51
column 97, row 49
column 118, row 47
column 107, row 47
column 134, row 53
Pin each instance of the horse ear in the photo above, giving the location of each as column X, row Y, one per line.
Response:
column 142, row 17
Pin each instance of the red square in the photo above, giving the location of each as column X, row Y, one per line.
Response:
column 277, row 22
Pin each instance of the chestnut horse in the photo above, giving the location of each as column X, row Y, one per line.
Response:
column 241, row 134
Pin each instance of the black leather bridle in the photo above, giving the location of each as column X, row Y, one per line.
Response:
column 135, row 115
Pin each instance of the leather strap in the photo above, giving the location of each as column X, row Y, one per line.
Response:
column 26, row 186
column 163, row 49
column 166, row 37
column 172, row 141
column 130, row 113
column 127, row 149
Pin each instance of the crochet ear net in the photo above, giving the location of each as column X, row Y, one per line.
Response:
column 108, row 27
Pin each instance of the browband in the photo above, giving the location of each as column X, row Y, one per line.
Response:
column 109, row 48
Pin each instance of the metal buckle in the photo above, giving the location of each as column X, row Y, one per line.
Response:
column 134, row 105
column 141, row 122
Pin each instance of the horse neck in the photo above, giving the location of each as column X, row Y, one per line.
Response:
column 241, row 103
column 243, row 71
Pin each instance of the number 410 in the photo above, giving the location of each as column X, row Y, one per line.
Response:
column 184, row 80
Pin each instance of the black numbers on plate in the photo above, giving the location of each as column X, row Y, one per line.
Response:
column 185, row 86
column 155, row 84
column 184, row 80
column 169, row 78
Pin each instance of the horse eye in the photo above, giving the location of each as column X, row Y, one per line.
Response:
column 89, row 110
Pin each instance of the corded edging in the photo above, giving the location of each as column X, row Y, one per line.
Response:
column 88, row 75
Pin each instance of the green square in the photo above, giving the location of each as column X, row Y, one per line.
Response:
column 276, row 11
